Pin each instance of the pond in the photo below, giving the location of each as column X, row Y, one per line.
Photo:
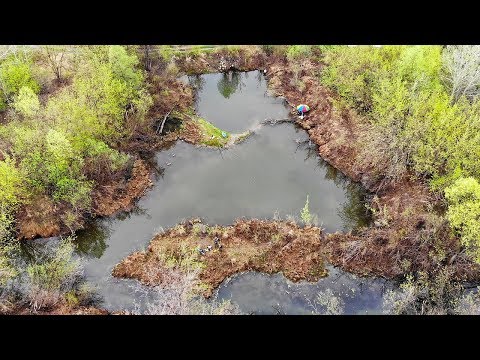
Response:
column 268, row 175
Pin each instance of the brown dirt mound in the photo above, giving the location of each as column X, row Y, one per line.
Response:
column 40, row 218
column 111, row 198
column 270, row 247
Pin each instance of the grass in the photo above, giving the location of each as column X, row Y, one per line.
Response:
column 211, row 135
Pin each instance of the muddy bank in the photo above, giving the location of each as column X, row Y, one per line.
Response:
column 406, row 236
column 300, row 253
column 43, row 218
column 111, row 198
column 244, row 58
column 265, row 246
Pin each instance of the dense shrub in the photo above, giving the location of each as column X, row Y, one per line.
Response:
column 16, row 73
column 26, row 102
column 464, row 212
column 297, row 51
column 412, row 121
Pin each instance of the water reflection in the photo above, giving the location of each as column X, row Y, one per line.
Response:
column 92, row 240
column 352, row 211
column 229, row 83
column 257, row 293
column 271, row 171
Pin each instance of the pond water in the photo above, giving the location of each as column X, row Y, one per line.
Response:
column 269, row 174
column 340, row 293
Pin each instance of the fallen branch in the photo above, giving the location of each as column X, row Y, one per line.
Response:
column 160, row 129
column 276, row 121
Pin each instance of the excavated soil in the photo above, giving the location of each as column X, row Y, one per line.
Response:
column 266, row 246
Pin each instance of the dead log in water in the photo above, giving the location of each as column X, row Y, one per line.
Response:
column 160, row 128
column 276, row 121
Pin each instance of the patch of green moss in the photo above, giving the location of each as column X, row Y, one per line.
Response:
column 211, row 135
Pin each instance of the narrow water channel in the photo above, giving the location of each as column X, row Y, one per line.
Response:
column 270, row 174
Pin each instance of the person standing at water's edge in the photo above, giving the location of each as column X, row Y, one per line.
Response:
column 301, row 109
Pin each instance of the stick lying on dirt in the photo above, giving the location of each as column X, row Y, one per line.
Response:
column 276, row 121
column 159, row 131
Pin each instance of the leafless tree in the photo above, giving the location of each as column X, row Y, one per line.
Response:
column 55, row 56
column 462, row 75
column 176, row 296
column 147, row 50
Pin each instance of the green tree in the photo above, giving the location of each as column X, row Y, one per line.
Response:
column 15, row 74
column 464, row 213
column 11, row 183
column 305, row 214
column 26, row 102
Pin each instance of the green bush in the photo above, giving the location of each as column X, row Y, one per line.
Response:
column 412, row 122
column 54, row 277
column 26, row 102
column 8, row 247
column 55, row 271
column 298, row 51
column 464, row 213
column 15, row 74
column 11, row 183
column 305, row 214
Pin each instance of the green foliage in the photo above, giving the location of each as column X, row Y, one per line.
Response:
column 212, row 136
column 15, row 74
column 55, row 277
column 56, row 271
column 464, row 213
column 305, row 214
column 298, row 51
column 11, row 183
column 166, row 52
column 8, row 246
column 60, row 148
column 26, row 102
column 124, row 66
column 426, row 294
column 413, row 123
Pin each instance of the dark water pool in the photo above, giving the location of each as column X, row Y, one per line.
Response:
column 270, row 174
column 340, row 293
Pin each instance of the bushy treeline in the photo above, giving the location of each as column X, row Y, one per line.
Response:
column 423, row 116
column 65, row 111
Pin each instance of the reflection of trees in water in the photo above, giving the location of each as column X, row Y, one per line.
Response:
column 196, row 82
column 260, row 78
column 92, row 240
column 229, row 83
column 353, row 212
